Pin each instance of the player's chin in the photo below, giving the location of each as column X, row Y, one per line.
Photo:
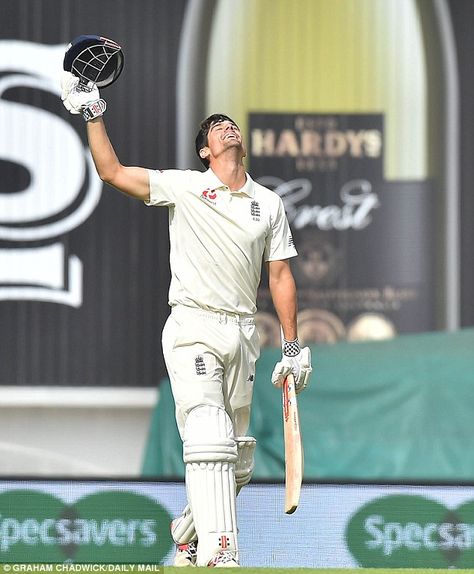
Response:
column 237, row 144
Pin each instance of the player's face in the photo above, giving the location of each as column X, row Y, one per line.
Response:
column 223, row 136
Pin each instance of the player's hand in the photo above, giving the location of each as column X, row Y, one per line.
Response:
column 79, row 98
column 298, row 364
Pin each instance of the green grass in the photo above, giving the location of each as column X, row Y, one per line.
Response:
column 171, row 570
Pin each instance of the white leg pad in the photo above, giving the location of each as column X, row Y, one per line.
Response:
column 210, row 453
column 182, row 528
column 245, row 461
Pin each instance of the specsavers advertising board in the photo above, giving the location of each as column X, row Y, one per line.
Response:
column 334, row 527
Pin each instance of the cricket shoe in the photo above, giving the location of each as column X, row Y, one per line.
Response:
column 186, row 555
column 224, row 559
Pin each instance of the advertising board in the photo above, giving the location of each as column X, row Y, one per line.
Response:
column 335, row 526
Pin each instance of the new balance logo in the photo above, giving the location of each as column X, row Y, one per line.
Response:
column 255, row 210
column 200, row 365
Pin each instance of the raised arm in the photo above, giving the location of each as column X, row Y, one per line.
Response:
column 134, row 181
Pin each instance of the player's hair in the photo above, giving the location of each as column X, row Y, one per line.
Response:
column 201, row 138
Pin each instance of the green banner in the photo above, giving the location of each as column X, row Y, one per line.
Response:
column 398, row 409
column 406, row 531
column 103, row 527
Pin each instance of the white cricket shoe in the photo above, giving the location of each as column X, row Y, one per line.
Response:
column 186, row 555
column 224, row 559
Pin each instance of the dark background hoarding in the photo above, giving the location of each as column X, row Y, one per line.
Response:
column 362, row 241
column 462, row 14
column 113, row 337
column 98, row 319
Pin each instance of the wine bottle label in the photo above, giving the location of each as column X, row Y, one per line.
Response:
column 363, row 270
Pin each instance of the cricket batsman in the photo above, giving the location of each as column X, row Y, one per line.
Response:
column 222, row 226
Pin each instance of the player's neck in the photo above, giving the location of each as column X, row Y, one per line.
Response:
column 231, row 171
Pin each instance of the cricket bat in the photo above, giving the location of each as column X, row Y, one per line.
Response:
column 293, row 446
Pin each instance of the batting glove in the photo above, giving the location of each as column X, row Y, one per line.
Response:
column 294, row 360
column 79, row 98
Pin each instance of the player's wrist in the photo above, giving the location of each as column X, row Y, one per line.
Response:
column 291, row 348
column 94, row 109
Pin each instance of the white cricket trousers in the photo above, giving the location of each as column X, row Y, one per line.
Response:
column 210, row 357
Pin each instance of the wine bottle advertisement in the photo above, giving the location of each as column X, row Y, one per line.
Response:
column 364, row 267
column 351, row 112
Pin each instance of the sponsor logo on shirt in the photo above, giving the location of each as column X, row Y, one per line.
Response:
column 209, row 195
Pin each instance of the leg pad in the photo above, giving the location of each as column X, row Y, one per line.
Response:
column 210, row 454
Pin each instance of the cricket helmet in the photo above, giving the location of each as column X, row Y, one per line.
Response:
column 94, row 58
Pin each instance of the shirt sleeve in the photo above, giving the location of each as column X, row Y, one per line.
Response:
column 279, row 243
column 165, row 186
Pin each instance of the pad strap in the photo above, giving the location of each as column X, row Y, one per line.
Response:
column 222, row 450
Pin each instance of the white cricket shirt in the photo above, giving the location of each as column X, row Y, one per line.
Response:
column 219, row 238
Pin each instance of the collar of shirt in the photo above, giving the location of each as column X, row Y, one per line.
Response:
column 216, row 183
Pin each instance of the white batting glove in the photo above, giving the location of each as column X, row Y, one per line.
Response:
column 294, row 360
column 79, row 98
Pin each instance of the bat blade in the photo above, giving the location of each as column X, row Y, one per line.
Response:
column 293, row 446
